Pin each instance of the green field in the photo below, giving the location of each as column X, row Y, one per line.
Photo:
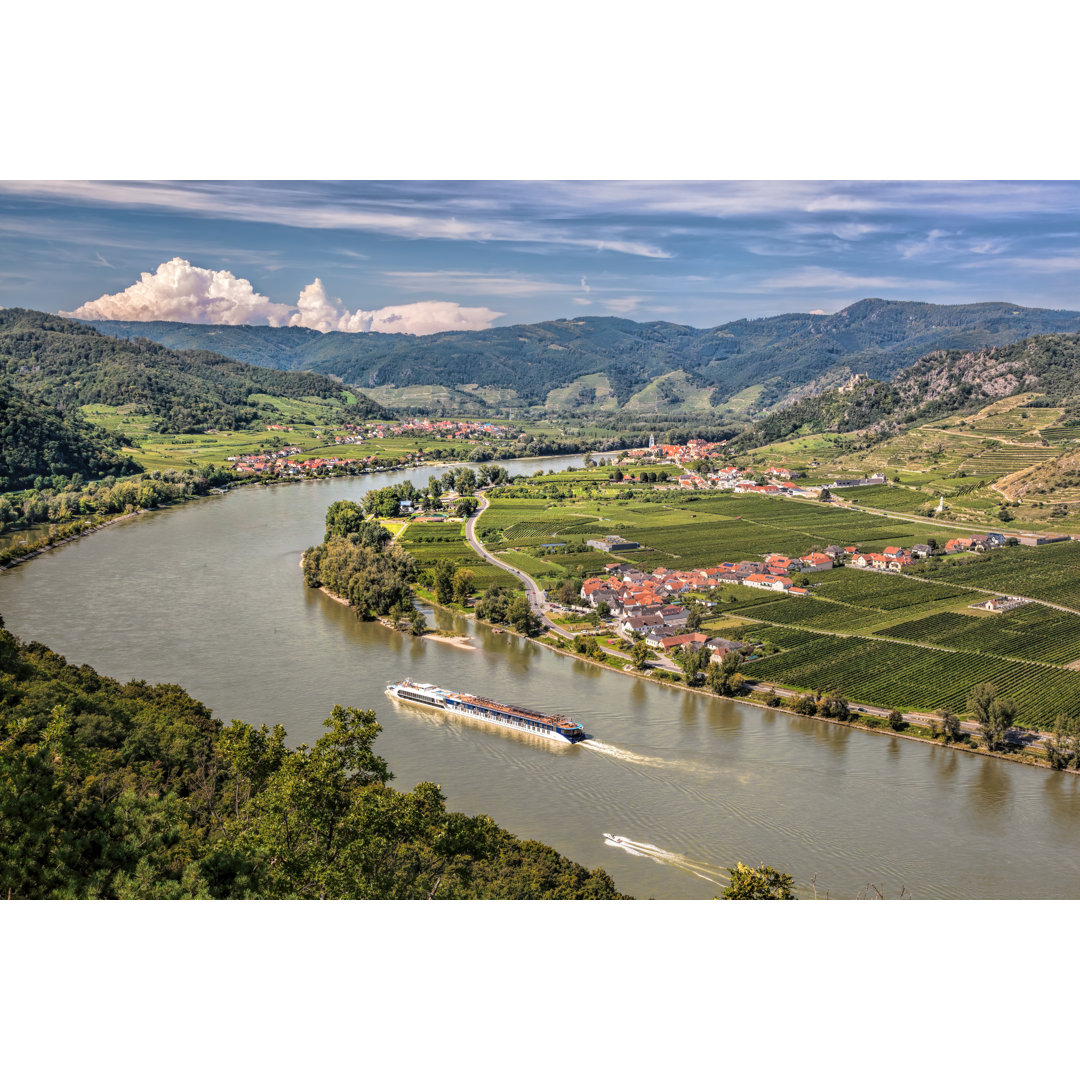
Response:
column 433, row 542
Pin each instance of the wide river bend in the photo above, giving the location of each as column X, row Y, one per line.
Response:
column 210, row 595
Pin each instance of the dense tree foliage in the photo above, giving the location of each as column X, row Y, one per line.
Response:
column 763, row 883
column 62, row 503
column 68, row 363
column 39, row 440
column 137, row 792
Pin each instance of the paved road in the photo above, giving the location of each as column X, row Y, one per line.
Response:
column 535, row 594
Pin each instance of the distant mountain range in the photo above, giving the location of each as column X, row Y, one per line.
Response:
column 606, row 365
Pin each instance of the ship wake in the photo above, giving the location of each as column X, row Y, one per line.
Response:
column 620, row 754
column 716, row 875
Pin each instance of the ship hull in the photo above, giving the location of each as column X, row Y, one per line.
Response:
column 454, row 709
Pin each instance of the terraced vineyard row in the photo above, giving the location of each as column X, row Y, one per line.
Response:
column 908, row 677
column 1029, row 633
column 884, row 592
column 1049, row 573
column 521, row 530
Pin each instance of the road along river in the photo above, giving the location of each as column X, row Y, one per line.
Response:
column 210, row 596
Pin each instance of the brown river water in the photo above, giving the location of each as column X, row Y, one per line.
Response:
column 210, row 596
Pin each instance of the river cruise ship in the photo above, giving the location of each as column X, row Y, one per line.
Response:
column 557, row 728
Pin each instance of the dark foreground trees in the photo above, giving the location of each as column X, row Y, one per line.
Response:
column 762, row 883
column 136, row 791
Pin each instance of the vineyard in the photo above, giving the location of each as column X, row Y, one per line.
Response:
column 883, row 592
column 1049, row 573
column 1033, row 632
column 913, row 678
column 543, row 527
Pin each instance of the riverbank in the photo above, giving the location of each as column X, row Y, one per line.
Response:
column 92, row 526
column 920, row 734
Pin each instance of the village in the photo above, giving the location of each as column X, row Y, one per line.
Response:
column 644, row 605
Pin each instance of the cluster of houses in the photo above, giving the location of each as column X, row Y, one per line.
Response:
column 446, row 429
column 693, row 450
column 278, row 464
column 644, row 602
column 978, row 542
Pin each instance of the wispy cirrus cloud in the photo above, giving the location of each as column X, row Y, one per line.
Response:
column 278, row 205
column 822, row 277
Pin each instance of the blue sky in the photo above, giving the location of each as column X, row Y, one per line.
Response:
column 431, row 255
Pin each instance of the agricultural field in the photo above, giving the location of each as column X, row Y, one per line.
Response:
column 432, row 542
column 1050, row 573
column 908, row 677
column 1034, row 632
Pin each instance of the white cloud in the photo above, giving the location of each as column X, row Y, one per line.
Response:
column 471, row 282
column 624, row 305
column 820, row 277
column 180, row 292
column 929, row 245
column 274, row 206
column 317, row 311
column 585, row 286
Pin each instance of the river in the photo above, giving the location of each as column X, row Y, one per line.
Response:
column 210, row 595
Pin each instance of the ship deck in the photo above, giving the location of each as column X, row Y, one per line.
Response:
column 515, row 710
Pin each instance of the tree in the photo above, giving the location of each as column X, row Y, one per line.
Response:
column 1063, row 746
column 521, row 617
column 444, row 582
column 1005, row 514
column 807, row 705
column 835, row 706
column 417, row 623
column 603, row 609
column 343, row 517
column 463, row 579
column 950, row 726
column 896, row 720
column 639, row 655
column 994, row 715
column 764, row 883
column 825, row 495
column 723, row 678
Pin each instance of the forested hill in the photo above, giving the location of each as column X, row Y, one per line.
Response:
column 137, row 792
column 67, row 363
column 40, row 440
column 937, row 385
column 781, row 354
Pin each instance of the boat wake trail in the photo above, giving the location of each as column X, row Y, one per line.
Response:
column 626, row 755
column 706, row 871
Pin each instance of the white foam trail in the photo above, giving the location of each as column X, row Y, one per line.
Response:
column 669, row 858
column 626, row 755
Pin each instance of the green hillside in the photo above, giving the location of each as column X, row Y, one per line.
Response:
column 939, row 385
column 69, row 364
column 40, row 440
column 776, row 356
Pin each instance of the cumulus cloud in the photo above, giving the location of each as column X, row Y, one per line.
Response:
column 318, row 311
column 180, row 292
